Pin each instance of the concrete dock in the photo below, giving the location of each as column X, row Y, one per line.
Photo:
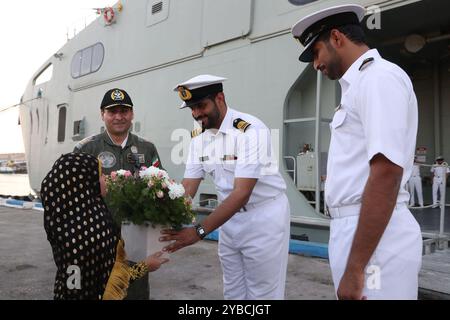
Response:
column 27, row 269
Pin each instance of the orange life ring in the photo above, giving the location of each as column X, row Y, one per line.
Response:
column 108, row 15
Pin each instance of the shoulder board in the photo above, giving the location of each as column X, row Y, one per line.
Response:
column 85, row 141
column 241, row 124
column 196, row 132
column 365, row 63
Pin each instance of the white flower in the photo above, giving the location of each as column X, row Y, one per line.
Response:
column 121, row 172
column 154, row 172
column 149, row 172
column 160, row 194
column 176, row 191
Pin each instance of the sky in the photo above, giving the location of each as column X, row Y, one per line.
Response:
column 32, row 31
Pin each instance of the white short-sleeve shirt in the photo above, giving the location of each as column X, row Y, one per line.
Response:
column 415, row 171
column 230, row 153
column 378, row 114
column 439, row 171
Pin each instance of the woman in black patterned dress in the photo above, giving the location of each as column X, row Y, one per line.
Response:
column 86, row 243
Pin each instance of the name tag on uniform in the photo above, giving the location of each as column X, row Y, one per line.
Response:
column 229, row 157
column 132, row 156
column 203, row 159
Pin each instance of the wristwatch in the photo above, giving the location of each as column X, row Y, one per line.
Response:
column 200, row 231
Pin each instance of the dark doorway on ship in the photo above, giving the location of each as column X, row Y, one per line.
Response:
column 416, row 36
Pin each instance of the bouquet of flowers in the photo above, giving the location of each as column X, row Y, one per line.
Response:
column 148, row 197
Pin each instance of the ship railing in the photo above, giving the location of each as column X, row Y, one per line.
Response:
column 294, row 170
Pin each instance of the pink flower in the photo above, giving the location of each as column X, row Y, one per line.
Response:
column 163, row 185
column 160, row 174
column 160, row 194
column 144, row 168
column 113, row 175
column 150, row 184
column 127, row 174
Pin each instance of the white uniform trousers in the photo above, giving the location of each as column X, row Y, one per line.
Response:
column 393, row 269
column 437, row 184
column 415, row 183
column 253, row 251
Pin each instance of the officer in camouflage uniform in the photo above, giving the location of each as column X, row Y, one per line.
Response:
column 116, row 147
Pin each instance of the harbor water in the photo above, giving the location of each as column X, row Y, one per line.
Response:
column 15, row 185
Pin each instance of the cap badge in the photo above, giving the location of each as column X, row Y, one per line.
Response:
column 117, row 95
column 184, row 93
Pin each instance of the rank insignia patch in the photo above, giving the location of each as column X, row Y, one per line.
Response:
column 196, row 132
column 365, row 63
column 241, row 124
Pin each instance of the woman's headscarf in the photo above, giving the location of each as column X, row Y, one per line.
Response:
column 79, row 227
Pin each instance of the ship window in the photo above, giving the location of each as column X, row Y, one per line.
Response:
column 98, row 52
column 44, row 76
column 62, row 123
column 76, row 65
column 301, row 2
column 87, row 60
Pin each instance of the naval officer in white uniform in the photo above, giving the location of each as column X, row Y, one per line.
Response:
column 415, row 184
column 438, row 170
column 375, row 246
column 234, row 148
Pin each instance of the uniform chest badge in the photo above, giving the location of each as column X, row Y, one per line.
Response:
column 108, row 159
column 136, row 157
column 229, row 157
column 134, row 149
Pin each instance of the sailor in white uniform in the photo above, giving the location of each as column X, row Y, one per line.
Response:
column 415, row 184
column 375, row 246
column 234, row 148
column 439, row 169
